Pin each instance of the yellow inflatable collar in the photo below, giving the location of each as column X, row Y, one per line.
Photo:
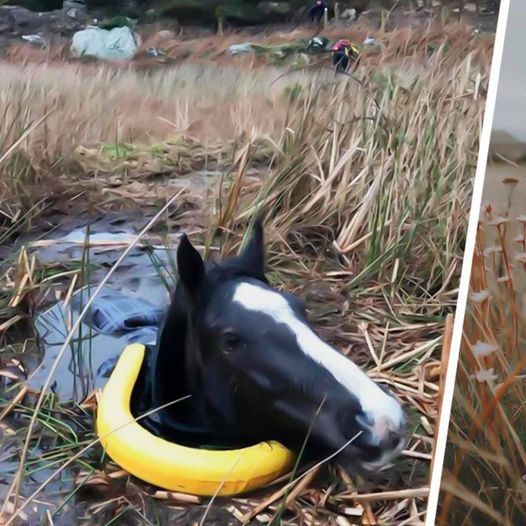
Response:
column 171, row 466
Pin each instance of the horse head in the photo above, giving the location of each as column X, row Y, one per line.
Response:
column 257, row 369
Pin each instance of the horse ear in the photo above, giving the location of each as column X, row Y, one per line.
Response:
column 252, row 256
column 190, row 266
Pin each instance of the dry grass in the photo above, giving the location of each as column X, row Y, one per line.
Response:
column 365, row 187
column 412, row 43
column 484, row 482
column 212, row 102
column 175, row 121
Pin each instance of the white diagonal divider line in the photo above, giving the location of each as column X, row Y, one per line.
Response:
column 476, row 201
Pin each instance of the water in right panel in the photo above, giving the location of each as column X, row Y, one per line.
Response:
column 484, row 481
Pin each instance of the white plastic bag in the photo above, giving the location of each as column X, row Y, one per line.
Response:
column 239, row 49
column 119, row 43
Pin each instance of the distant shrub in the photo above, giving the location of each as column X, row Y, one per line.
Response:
column 117, row 21
column 36, row 5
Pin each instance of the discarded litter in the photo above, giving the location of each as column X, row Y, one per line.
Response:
column 239, row 49
column 349, row 14
column 317, row 44
column 120, row 43
column 115, row 313
column 34, row 39
column 113, row 320
column 369, row 41
column 76, row 10
column 154, row 52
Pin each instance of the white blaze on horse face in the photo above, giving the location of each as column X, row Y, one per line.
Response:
column 384, row 411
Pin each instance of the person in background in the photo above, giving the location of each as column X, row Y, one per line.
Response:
column 343, row 52
column 316, row 11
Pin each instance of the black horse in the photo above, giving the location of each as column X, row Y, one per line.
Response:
column 256, row 370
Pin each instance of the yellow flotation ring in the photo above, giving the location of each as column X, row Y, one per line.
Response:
column 171, row 466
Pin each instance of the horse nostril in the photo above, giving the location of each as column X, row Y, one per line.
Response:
column 383, row 432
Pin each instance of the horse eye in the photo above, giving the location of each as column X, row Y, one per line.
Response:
column 231, row 341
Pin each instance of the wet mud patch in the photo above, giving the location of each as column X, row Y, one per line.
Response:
column 128, row 309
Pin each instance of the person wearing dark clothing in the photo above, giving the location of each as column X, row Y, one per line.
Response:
column 316, row 12
column 343, row 52
column 340, row 60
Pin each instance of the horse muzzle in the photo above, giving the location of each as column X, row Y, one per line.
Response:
column 385, row 435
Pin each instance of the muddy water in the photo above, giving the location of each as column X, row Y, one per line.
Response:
column 145, row 276
column 61, row 485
